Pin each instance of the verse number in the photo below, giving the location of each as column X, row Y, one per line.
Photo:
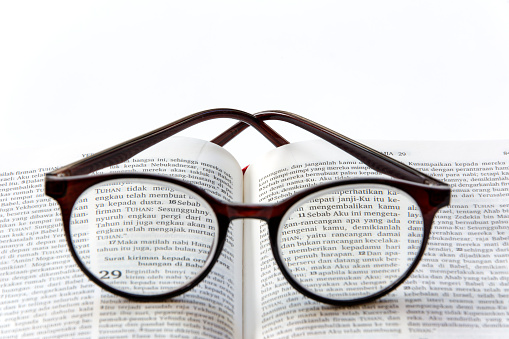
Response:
column 506, row 152
column 110, row 275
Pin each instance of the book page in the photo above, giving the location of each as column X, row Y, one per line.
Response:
column 45, row 295
column 459, row 289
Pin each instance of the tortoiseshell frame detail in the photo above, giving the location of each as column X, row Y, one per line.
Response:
column 67, row 183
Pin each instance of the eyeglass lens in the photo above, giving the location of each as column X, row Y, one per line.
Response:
column 351, row 243
column 143, row 237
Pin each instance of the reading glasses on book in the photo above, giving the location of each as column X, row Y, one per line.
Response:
column 369, row 233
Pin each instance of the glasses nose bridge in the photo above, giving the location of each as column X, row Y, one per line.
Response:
column 262, row 212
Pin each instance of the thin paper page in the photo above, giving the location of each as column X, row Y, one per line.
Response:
column 37, row 254
column 460, row 286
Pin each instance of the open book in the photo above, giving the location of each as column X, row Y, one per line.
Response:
column 460, row 289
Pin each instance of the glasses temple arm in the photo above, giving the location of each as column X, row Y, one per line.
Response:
column 121, row 152
column 372, row 158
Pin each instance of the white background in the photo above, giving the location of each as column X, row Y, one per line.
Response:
column 81, row 76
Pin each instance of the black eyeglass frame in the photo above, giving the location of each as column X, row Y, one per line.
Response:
column 66, row 184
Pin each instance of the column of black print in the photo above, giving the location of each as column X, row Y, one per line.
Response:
column 464, row 272
column 358, row 236
column 280, row 301
column 36, row 273
column 182, row 222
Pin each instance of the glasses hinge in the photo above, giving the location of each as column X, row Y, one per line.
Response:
column 55, row 189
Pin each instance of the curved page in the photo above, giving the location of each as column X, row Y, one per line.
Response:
column 460, row 287
column 44, row 294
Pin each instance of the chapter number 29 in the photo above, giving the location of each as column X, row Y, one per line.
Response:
column 110, row 275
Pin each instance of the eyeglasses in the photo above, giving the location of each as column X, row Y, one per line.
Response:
column 173, row 256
